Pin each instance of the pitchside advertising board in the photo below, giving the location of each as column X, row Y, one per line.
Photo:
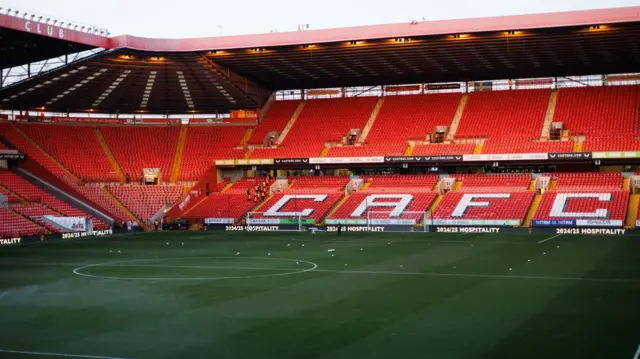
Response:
column 396, row 213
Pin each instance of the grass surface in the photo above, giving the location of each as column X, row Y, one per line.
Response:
column 381, row 296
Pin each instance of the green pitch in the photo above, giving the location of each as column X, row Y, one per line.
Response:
column 283, row 295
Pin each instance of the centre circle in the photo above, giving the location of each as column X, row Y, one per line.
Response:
column 156, row 264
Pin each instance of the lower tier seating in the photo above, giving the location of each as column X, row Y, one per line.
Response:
column 98, row 195
column 583, row 205
column 223, row 205
column 14, row 225
column 591, row 181
column 490, row 182
column 359, row 204
column 318, row 202
column 145, row 201
column 496, row 206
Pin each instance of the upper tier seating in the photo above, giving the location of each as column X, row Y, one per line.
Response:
column 412, row 117
column 326, row 120
column 493, row 182
column 145, row 201
column 504, row 114
column 12, row 135
column 443, row 149
column 13, row 225
column 403, row 118
column 379, row 149
column 138, row 147
column 231, row 204
column 609, row 110
column 76, row 148
column 513, row 208
column 613, row 201
column 204, row 144
column 611, row 142
column 276, row 119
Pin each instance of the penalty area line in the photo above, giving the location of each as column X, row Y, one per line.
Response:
column 548, row 239
column 62, row 355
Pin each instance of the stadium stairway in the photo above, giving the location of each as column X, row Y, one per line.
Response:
column 36, row 145
column 372, row 119
column 533, row 208
column 122, row 206
column 107, row 151
column 577, row 146
column 324, row 152
column 292, row 121
column 632, row 211
column 456, row 118
column 177, row 160
column 246, row 137
column 409, row 150
column 478, row 149
column 548, row 117
column 552, row 184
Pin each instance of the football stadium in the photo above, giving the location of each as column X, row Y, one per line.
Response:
column 430, row 189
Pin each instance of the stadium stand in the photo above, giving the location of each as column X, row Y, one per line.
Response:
column 76, row 148
column 204, row 144
column 324, row 120
column 231, row 204
column 402, row 118
column 330, row 186
column 443, row 149
column 17, row 139
column 276, row 119
column 493, row 182
column 511, row 208
column 511, row 121
column 141, row 147
column 606, row 115
column 34, row 194
column 386, row 189
column 98, row 195
column 14, row 225
column 145, row 201
column 606, row 185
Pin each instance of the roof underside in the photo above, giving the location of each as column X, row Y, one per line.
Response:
column 215, row 80
column 20, row 48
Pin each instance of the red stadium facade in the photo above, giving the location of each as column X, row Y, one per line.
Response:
column 390, row 126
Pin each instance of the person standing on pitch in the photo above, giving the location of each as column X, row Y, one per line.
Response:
column 339, row 229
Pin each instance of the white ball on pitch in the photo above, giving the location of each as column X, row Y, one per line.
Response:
column 303, row 245
column 110, row 251
column 288, row 244
column 510, row 268
column 268, row 254
column 167, row 243
column 297, row 262
column 183, row 243
column 360, row 248
column 238, row 253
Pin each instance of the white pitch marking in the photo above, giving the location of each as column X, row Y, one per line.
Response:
column 291, row 272
column 550, row 238
column 57, row 354
column 637, row 353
